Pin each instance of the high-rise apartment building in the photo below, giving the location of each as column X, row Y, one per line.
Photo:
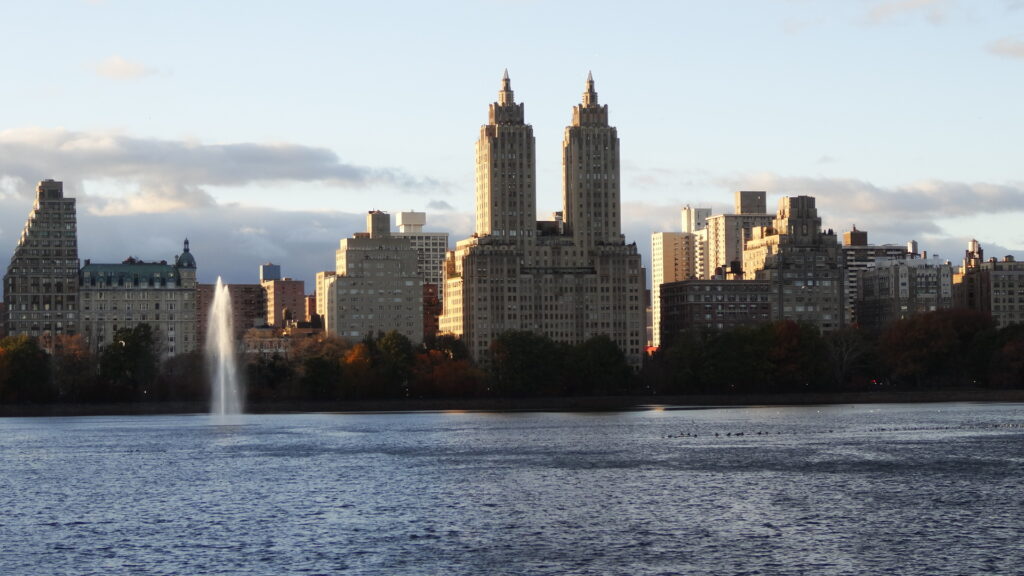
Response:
column 248, row 308
column 995, row 287
column 677, row 256
column 802, row 261
column 714, row 305
column 727, row 234
column 858, row 256
column 431, row 248
column 114, row 296
column 894, row 288
column 571, row 278
column 673, row 259
column 41, row 284
column 321, row 292
column 286, row 300
column 377, row 285
column 270, row 271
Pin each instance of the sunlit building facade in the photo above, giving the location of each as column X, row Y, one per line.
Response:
column 570, row 278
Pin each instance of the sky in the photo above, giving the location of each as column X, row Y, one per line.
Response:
column 264, row 131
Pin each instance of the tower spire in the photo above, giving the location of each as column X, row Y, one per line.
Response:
column 590, row 96
column 506, row 96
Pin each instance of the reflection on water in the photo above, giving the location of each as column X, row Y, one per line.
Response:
column 897, row 489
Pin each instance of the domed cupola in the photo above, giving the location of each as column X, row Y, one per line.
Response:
column 186, row 260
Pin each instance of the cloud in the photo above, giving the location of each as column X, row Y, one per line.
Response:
column 128, row 174
column 118, row 68
column 440, row 205
column 900, row 213
column 933, row 10
column 1009, row 47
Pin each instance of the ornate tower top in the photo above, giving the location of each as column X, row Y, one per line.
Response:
column 506, row 96
column 589, row 112
column 505, row 110
column 590, row 96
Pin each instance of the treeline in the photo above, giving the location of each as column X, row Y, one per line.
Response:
column 328, row 368
column 943, row 349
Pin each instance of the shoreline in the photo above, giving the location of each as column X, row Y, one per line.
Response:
column 554, row 404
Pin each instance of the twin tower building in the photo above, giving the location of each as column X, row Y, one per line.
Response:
column 570, row 278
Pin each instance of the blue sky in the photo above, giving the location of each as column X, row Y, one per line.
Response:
column 264, row 131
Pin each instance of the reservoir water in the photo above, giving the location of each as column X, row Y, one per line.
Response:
column 855, row 489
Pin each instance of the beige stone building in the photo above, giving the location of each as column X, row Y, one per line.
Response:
column 321, row 292
column 41, row 283
column 802, row 261
column 286, row 300
column 727, row 234
column 160, row 294
column 377, row 285
column 570, row 278
column 995, row 287
column 673, row 259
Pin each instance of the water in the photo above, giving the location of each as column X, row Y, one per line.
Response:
column 225, row 389
column 896, row 489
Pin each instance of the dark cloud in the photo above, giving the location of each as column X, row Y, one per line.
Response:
column 440, row 205
column 164, row 175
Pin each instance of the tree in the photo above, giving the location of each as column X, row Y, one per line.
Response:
column 597, row 366
column 395, row 363
column 797, row 355
column 24, row 372
column 128, row 365
column 941, row 348
column 73, row 367
column 321, row 367
column 526, row 364
column 436, row 374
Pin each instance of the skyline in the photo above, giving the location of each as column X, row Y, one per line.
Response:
column 171, row 121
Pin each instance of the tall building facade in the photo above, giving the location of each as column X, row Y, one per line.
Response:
column 993, row 286
column 802, row 261
column 248, row 308
column 859, row 256
column 430, row 247
column 41, row 284
column 286, row 300
column 714, row 305
column 134, row 292
column 377, row 285
column 899, row 288
column 727, row 234
column 506, row 190
column 571, row 278
column 270, row 271
column 672, row 260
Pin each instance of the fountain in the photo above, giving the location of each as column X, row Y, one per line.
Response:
column 225, row 388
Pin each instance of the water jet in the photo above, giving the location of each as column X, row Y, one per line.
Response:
column 225, row 387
